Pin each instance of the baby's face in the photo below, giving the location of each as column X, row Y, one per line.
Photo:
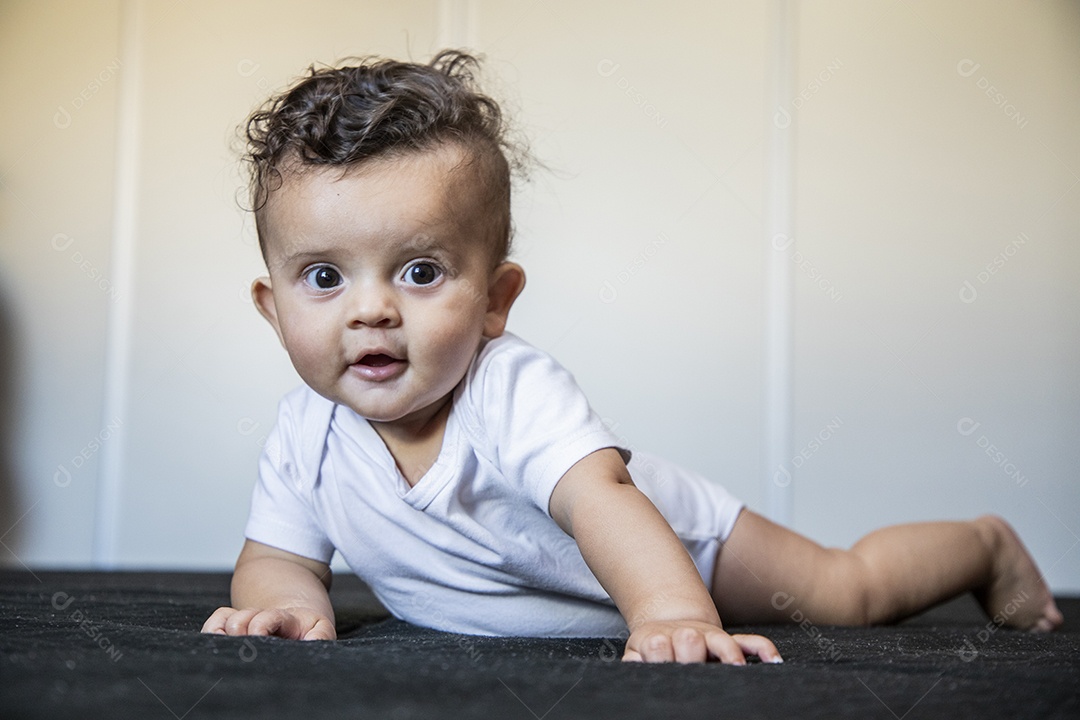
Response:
column 378, row 287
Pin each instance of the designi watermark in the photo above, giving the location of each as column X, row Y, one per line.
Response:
column 62, row 601
column 968, row 292
column 783, row 243
column 62, row 242
column 782, row 117
column 828, row 647
column 606, row 68
column 66, row 471
column 967, row 68
column 609, row 289
column 782, row 476
column 967, row 427
column 969, row 651
column 62, row 118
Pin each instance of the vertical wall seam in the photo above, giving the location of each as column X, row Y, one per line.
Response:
column 122, row 263
column 779, row 238
column 456, row 24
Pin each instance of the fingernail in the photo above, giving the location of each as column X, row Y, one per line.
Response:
column 777, row 660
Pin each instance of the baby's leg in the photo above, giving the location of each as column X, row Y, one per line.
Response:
column 767, row 573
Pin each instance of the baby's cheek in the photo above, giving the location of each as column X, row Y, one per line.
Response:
column 306, row 358
column 451, row 349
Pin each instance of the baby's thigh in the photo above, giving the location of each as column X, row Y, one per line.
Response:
column 765, row 572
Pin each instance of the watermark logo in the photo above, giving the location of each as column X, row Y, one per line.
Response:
column 967, row 426
column 61, row 242
column 969, row 293
column 62, row 601
column 607, row 68
column 64, row 472
column 247, row 652
column 249, row 427
column 828, row 647
column 62, row 118
column 609, row 288
column 967, row 68
column 782, row 117
column 782, row 476
column 783, row 243
column 969, row 650
column 247, row 67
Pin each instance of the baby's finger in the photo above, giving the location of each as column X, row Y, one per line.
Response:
column 760, row 646
column 689, row 646
column 656, row 648
column 237, row 623
column 276, row 622
column 322, row 630
column 725, row 649
column 632, row 656
column 215, row 624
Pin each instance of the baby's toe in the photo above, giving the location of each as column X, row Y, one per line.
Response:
column 1051, row 619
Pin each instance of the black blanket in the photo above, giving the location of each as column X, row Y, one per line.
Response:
column 126, row 645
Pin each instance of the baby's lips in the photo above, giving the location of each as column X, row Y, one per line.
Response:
column 377, row 357
column 376, row 360
column 378, row 367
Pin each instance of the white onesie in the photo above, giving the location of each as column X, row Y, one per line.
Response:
column 470, row 548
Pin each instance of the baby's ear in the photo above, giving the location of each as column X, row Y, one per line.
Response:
column 507, row 282
column 263, row 295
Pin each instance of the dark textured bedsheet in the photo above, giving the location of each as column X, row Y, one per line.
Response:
column 126, row 645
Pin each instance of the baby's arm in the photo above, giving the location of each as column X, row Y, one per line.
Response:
column 641, row 563
column 276, row 593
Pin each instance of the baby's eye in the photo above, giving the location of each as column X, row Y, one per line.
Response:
column 422, row 273
column 322, row 277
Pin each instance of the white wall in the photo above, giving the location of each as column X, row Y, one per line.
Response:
column 646, row 245
column 58, row 78
column 913, row 181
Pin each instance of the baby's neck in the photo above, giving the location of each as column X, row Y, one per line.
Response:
column 415, row 445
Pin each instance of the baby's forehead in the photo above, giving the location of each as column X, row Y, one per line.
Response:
column 444, row 175
column 402, row 197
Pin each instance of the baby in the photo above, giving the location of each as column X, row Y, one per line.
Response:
column 459, row 471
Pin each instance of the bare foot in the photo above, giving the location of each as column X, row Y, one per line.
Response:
column 1016, row 596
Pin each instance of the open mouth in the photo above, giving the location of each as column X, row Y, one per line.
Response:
column 376, row 360
column 378, row 366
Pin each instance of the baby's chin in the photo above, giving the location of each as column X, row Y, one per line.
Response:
column 369, row 412
column 396, row 415
column 368, row 408
column 396, row 401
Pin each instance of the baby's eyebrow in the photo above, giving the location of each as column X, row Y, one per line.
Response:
column 304, row 255
column 415, row 244
column 421, row 243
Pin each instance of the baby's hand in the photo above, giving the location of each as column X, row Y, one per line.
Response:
column 688, row 641
column 289, row 623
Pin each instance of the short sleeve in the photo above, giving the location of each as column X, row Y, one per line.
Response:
column 532, row 416
column 282, row 511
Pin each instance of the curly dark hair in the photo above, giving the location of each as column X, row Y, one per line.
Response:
column 347, row 115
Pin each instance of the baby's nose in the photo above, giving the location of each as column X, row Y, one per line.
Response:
column 373, row 306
